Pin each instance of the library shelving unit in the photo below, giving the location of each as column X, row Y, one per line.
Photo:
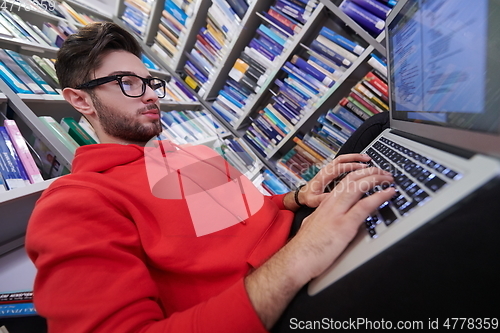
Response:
column 142, row 21
column 328, row 14
column 194, row 21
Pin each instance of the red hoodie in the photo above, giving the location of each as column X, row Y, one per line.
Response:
column 112, row 257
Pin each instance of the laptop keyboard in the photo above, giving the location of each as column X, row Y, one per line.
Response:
column 416, row 179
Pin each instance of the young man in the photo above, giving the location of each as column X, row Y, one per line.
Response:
column 113, row 257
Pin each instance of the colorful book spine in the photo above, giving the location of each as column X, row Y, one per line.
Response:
column 364, row 18
column 9, row 168
column 76, row 131
column 13, row 81
column 60, row 133
column 14, row 156
column 17, row 310
column 375, row 7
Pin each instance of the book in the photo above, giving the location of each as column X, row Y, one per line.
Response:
column 55, row 36
column 20, row 73
column 13, row 155
column 364, row 18
column 46, row 67
column 339, row 50
column 60, row 133
column 379, row 84
column 347, row 116
column 311, row 70
column 12, row 80
column 31, row 72
column 239, row 6
column 9, row 168
column 22, row 150
column 27, row 28
column 16, row 297
column 375, row 7
column 17, row 310
column 46, row 160
column 342, row 41
column 38, row 70
column 76, row 131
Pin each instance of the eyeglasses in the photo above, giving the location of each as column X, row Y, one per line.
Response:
column 130, row 84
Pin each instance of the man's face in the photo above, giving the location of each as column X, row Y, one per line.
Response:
column 133, row 120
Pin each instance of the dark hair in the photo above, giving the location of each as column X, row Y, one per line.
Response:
column 82, row 52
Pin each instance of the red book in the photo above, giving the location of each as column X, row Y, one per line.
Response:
column 377, row 83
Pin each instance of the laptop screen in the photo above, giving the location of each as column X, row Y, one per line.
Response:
column 444, row 65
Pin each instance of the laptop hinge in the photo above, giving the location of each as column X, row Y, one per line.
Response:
column 439, row 145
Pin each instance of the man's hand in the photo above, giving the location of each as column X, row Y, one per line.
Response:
column 313, row 194
column 321, row 239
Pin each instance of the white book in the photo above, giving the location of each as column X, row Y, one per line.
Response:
column 337, row 48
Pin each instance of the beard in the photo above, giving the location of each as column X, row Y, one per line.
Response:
column 126, row 127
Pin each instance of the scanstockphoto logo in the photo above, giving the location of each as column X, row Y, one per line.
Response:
column 218, row 195
column 27, row 5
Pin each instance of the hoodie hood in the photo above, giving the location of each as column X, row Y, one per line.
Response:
column 90, row 158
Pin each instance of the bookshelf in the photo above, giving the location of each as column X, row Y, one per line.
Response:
column 328, row 14
column 24, row 109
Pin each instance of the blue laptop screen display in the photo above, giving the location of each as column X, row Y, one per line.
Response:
column 443, row 63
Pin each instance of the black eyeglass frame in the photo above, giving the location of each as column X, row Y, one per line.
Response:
column 103, row 80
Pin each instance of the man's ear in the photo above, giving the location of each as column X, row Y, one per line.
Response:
column 80, row 100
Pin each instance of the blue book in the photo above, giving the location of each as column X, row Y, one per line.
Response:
column 195, row 72
column 299, row 95
column 342, row 41
column 291, row 7
column 300, row 84
column 201, row 63
column 336, row 120
column 17, row 310
column 291, row 11
column 291, row 95
column 332, row 142
column 149, row 63
column 231, row 99
column 305, row 77
column 322, row 64
column 239, row 6
column 274, row 183
column 252, row 142
column 267, row 31
column 262, row 138
column 290, row 116
column 13, row 81
column 364, row 18
column 276, row 48
column 175, row 11
column 240, row 151
column 374, row 7
column 8, row 168
column 262, row 49
column 266, row 128
column 311, row 70
column 223, row 113
column 331, row 55
column 331, row 129
column 4, row 135
column 347, row 116
column 295, row 109
column 236, row 94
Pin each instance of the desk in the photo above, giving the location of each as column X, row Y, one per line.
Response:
column 448, row 268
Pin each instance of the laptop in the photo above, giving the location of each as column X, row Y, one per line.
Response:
column 444, row 138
